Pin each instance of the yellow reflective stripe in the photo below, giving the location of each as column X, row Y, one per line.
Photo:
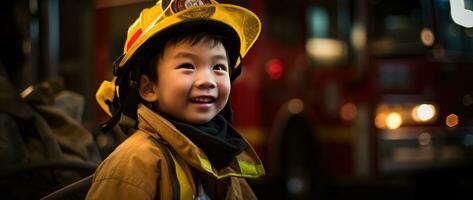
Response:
column 185, row 189
column 248, row 170
column 205, row 164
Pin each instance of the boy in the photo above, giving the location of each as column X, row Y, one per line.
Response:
column 174, row 82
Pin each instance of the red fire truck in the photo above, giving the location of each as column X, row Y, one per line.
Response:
column 356, row 89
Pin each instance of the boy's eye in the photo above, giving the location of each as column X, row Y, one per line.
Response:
column 186, row 66
column 220, row 67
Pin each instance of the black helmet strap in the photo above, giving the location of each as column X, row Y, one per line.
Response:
column 237, row 71
column 125, row 104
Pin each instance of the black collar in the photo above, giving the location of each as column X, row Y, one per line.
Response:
column 217, row 138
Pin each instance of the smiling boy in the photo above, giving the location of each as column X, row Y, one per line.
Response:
column 171, row 90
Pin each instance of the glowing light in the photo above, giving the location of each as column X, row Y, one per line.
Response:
column 326, row 49
column 451, row 120
column 275, row 68
column 380, row 120
column 393, row 120
column 348, row 111
column 427, row 37
column 423, row 112
column 295, row 106
column 358, row 36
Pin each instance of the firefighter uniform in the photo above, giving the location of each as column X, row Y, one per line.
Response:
column 134, row 168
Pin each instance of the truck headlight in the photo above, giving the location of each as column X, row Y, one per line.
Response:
column 423, row 112
column 393, row 116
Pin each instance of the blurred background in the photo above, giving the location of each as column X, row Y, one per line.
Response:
column 341, row 99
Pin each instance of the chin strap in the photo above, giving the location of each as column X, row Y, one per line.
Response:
column 237, row 70
column 126, row 99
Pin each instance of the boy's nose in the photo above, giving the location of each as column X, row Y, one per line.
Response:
column 205, row 80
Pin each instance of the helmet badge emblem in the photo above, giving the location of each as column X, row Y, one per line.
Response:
column 190, row 3
column 180, row 5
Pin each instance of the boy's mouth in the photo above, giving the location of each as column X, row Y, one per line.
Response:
column 203, row 99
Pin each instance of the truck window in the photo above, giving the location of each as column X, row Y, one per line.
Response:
column 395, row 27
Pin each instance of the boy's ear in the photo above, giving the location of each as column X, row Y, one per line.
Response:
column 148, row 90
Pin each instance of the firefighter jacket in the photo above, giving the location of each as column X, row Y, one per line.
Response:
column 138, row 168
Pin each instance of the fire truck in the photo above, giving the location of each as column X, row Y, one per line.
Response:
column 357, row 89
column 342, row 89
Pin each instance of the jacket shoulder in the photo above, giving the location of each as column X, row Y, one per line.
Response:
column 132, row 168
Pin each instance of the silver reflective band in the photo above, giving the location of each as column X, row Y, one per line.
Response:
column 461, row 15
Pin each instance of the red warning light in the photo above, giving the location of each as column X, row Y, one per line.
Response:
column 275, row 68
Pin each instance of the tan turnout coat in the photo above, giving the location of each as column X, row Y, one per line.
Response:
column 137, row 169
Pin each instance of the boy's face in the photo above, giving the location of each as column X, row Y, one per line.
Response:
column 193, row 82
